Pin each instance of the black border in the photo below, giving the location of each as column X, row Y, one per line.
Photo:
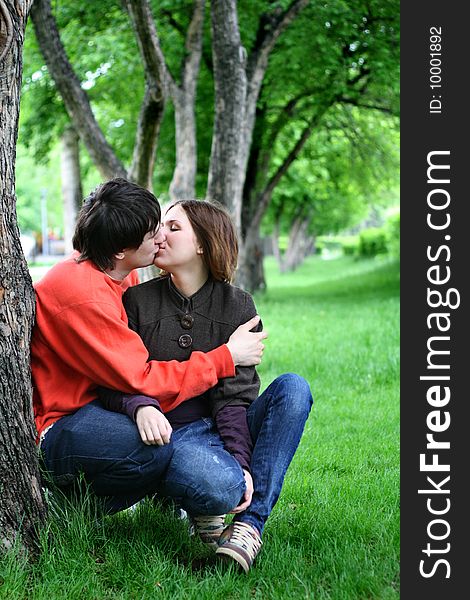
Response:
column 422, row 132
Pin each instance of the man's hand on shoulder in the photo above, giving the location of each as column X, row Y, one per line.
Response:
column 246, row 346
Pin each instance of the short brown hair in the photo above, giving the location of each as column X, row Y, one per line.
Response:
column 216, row 233
column 115, row 216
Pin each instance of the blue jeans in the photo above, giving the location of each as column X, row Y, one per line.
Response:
column 194, row 468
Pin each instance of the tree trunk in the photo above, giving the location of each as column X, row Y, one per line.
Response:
column 263, row 201
column 250, row 272
column 226, row 176
column 72, row 194
column 160, row 84
column 275, row 242
column 298, row 245
column 271, row 26
column 22, row 505
column 237, row 86
column 183, row 183
column 146, row 137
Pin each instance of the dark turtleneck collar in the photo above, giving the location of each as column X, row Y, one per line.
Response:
column 188, row 304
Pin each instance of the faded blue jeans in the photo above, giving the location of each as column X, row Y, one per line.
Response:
column 193, row 469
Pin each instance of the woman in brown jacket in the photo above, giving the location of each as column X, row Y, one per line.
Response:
column 231, row 447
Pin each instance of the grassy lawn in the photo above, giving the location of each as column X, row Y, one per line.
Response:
column 334, row 533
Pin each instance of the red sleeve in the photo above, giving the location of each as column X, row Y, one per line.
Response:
column 94, row 340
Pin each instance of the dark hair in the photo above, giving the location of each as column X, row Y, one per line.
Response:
column 216, row 233
column 115, row 216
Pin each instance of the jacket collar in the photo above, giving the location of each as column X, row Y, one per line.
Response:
column 188, row 304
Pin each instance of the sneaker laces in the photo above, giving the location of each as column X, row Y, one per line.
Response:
column 209, row 522
column 247, row 537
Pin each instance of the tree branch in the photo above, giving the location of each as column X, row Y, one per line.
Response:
column 193, row 47
column 173, row 22
column 355, row 102
column 207, row 57
column 285, row 114
column 155, row 67
column 270, row 27
column 265, row 196
column 75, row 99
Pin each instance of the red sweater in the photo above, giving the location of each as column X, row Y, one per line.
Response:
column 81, row 340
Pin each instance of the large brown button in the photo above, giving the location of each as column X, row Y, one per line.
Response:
column 185, row 340
column 187, row 321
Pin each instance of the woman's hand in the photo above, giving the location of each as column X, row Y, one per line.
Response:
column 247, row 496
column 153, row 426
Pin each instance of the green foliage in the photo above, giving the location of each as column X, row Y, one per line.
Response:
column 334, row 533
column 347, row 166
column 350, row 245
column 392, row 227
column 372, row 241
column 381, row 240
column 347, row 245
column 32, row 180
column 330, row 51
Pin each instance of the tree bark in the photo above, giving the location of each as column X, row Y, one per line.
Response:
column 161, row 82
column 22, row 505
column 157, row 83
column 75, row 99
column 183, row 183
column 298, row 244
column 225, row 181
column 250, row 272
column 237, row 83
column 146, row 138
column 72, row 194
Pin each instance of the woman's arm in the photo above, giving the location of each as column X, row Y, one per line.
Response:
column 154, row 428
column 231, row 397
column 125, row 403
column 232, row 426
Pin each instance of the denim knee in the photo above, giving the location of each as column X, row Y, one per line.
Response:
column 206, row 491
column 294, row 391
column 219, row 501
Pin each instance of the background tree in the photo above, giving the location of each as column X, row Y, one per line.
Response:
column 335, row 54
column 349, row 167
column 274, row 66
column 72, row 192
column 21, row 507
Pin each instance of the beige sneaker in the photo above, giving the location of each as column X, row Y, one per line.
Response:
column 239, row 542
column 209, row 528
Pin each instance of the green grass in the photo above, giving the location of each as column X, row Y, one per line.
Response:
column 334, row 533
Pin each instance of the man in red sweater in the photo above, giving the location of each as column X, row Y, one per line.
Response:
column 81, row 341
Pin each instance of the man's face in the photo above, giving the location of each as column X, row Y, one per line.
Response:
column 145, row 254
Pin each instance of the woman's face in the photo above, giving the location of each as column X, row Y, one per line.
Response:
column 180, row 247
